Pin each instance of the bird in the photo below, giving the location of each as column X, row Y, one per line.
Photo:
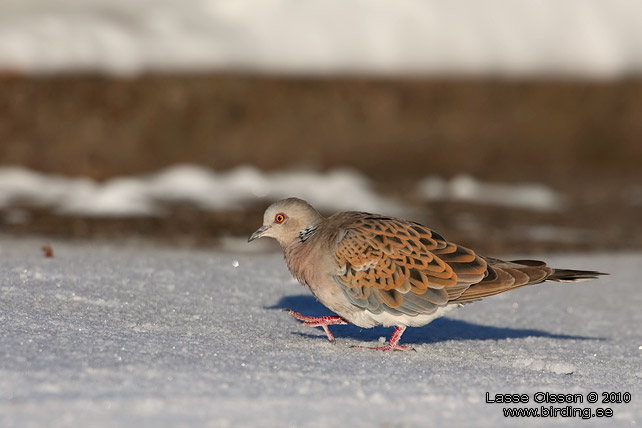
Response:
column 371, row 269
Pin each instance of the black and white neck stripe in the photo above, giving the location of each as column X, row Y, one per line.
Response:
column 306, row 233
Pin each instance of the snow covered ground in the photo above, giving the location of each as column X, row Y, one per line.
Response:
column 582, row 38
column 107, row 335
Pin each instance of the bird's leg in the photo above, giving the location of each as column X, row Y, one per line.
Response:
column 393, row 343
column 319, row 321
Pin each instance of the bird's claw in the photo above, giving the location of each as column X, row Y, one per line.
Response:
column 323, row 322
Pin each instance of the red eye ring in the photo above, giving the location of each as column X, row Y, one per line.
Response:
column 279, row 218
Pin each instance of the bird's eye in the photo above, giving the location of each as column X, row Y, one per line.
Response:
column 279, row 218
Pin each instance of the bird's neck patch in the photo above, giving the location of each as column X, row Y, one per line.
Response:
column 306, row 233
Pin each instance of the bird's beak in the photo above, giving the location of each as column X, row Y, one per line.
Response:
column 259, row 232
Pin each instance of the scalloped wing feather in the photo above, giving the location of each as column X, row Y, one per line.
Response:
column 391, row 265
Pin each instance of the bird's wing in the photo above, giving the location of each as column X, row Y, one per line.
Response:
column 391, row 265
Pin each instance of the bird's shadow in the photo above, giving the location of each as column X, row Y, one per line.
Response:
column 440, row 330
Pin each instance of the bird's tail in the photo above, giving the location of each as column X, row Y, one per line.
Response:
column 570, row 275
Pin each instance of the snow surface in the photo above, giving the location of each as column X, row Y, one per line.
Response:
column 107, row 335
column 593, row 38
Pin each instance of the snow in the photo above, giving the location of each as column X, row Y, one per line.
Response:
column 586, row 38
column 336, row 190
column 131, row 334
column 465, row 188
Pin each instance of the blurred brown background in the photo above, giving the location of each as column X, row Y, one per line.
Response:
column 107, row 94
column 549, row 131
column 582, row 138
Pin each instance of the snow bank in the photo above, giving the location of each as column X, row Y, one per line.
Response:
column 467, row 189
column 336, row 190
column 512, row 37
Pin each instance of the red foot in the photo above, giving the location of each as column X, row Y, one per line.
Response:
column 319, row 321
column 393, row 343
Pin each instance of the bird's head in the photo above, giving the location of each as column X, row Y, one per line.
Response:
column 287, row 220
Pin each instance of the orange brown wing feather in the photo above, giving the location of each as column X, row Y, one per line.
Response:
column 392, row 265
